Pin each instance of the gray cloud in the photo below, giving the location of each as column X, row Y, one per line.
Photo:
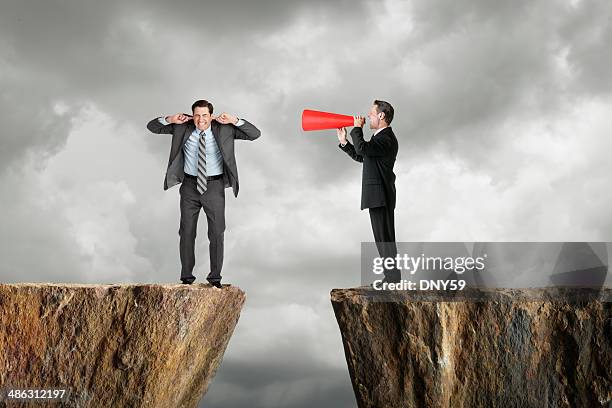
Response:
column 501, row 113
column 240, row 385
column 586, row 34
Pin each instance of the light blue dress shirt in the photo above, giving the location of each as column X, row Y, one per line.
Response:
column 214, row 158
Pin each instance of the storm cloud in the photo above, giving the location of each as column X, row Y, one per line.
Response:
column 502, row 115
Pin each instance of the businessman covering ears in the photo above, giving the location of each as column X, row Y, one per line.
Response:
column 202, row 160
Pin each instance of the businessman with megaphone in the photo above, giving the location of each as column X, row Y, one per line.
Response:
column 378, row 180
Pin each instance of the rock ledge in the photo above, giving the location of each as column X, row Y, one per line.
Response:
column 546, row 347
column 115, row 345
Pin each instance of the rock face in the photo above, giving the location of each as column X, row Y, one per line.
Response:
column 496, row 348
column 115, row 345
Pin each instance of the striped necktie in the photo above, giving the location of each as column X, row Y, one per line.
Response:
column 202, row 164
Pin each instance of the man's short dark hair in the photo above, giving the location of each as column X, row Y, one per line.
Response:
column 386, row 108
column 202, row 104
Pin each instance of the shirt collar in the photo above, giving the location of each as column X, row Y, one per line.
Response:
column 207, row 132
column 378, row 131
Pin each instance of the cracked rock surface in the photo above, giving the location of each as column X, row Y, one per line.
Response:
column 115, row 345
column 520, row 348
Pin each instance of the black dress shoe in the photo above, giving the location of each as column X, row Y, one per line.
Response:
column 187, row 281
column 216, row 284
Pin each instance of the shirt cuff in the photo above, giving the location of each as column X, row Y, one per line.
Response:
column 240, row 122
column 163, row 121
column 344, row 145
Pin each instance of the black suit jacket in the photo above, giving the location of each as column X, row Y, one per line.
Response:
column 224, row 136
column 378, row 157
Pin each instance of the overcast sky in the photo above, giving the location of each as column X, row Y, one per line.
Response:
column 503, row 116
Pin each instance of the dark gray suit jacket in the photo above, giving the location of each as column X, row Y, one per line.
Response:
column 378, row 157
column 224, row 135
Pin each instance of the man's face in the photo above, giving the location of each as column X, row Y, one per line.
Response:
column 201, row 117
column 374, row 117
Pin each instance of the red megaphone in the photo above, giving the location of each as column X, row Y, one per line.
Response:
column 316, row 120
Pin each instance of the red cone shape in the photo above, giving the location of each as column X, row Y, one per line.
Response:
column 315, row 120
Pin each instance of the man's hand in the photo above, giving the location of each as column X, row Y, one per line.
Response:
column 358, row 121
column 226, row 118
column 341, row 132
column 178, row 119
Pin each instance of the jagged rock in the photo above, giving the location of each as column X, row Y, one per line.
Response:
column 505, row 348
column 115, row 345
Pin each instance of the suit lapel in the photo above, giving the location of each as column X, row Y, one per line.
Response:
column 188, row 131
column 214, row 128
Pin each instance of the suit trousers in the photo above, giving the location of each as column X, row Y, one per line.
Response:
column 213, row 203
column 383, row 226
